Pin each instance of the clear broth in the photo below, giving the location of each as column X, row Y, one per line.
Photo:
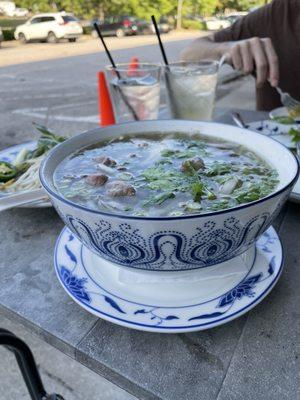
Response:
column 159, row 175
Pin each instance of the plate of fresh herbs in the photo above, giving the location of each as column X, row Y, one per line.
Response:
column 19, row 164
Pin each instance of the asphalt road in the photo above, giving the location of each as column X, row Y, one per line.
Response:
column 13, row 52
column 62, row 93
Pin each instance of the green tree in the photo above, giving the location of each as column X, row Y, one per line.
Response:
column 35, row 6
column 152, row 7
column 193, row 8
column 139, row 8
column 241, row 5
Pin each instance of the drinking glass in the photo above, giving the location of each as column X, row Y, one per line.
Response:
column 135, row 90
column 191, row 89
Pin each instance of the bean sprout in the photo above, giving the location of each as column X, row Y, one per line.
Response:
column 29, row 180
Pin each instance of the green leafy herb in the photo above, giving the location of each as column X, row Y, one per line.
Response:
column 197, row 191
column 127, row 208
column 295, row 135
column 186, row 154
column 178, row 153
column 197, row 186
column 158, row 199
column 251, row 192
column 166, row 184
column 153, row 173
column 7, row 171
column 218, row 169
column 194, row 143
column 22, row 167
column 210, row 194
column 159, row 178
column 46, row 142
column 257, row 170
column 220, row 205
column 250, row 195
column 167, row 153
column 163, row 161
column 284, row 120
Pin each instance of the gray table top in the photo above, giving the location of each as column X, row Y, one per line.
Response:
column 255, row 356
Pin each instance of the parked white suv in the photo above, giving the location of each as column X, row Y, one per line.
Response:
column 20, row 12
column 49, row 27
column 214, row 23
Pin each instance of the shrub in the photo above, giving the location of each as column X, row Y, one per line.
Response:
column 11, row 22
column 8, row 34
column 192, row 24
column 87, row 30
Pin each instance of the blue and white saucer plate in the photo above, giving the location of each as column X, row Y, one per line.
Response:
column 8, row 155
column 275, row 130
column 97, row 289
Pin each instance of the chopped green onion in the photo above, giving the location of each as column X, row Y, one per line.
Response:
column 7, row 171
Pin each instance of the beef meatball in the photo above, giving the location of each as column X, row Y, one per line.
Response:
column 96, row 179
column 109, row 162
column 120, row 188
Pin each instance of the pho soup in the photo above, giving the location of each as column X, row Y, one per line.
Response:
column 159, row 175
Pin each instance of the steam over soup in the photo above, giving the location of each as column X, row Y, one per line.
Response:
column 159, row 175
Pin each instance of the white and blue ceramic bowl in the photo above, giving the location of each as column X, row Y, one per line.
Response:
column 173, row 243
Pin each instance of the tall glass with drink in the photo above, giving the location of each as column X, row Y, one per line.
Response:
column 135, row 90
column 191, row 89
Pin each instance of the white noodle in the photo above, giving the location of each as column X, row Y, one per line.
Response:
column 29, row 180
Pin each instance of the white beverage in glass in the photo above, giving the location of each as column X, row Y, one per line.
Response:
column 191, row 89
column 135, row 92
column 142, row 95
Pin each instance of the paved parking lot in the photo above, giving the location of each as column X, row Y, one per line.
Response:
column 13, row 52
column 62, row 93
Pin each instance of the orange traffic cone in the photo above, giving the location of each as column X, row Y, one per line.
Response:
column 106, row 112
column 133, row 66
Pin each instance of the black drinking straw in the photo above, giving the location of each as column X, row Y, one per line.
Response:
column 131, row 109
column 166, row 62
column 159, row 40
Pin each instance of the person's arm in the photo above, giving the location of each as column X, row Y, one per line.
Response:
column 247, row 45
column 204, row 48
column 247, row 55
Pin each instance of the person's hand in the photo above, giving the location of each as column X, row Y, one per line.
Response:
column 255, row 55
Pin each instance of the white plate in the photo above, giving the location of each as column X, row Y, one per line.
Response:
column 280, row 112
column 275, row 130
column 278, row 132
column 9, row 155
column 125, row 304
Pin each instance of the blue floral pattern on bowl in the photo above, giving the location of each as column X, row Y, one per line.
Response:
column 169, row 249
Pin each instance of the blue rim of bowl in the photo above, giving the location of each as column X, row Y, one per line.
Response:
column 172, row 218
